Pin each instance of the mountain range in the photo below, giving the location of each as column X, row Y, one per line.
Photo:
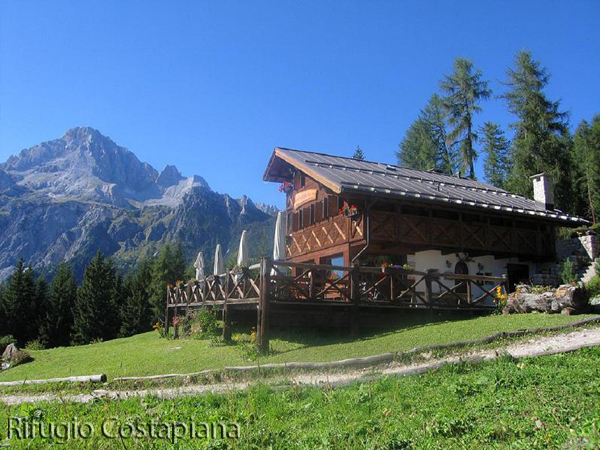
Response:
column 67, row 198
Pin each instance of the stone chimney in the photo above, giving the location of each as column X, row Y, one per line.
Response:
column 543, row 190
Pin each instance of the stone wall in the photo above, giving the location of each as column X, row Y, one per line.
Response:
column 585, row 246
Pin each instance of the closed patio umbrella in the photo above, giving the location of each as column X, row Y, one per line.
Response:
column 279, row 241
column 199, row 266
column 219, row 267
column 242, row 257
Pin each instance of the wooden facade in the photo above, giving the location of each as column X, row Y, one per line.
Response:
column 318, row 231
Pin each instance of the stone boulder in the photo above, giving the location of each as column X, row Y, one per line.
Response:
column 10, row 353
column 567, row 298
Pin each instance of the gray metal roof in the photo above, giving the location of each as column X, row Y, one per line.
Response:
column 342, row 174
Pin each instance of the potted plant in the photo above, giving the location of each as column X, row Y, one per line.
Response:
column 349, row 210
column 286, row 187
column 386, row 266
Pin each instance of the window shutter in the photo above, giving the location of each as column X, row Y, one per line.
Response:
column 296, row 223
column 333, row 209
column 319, row 212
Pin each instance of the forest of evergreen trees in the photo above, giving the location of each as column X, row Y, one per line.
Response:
column 445, row 136
column 104, row 306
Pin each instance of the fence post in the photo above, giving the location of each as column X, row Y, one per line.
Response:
column 226, row 322
column 354, row 298
column 262, row 336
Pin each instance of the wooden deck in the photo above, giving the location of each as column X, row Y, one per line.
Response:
column 275, row 285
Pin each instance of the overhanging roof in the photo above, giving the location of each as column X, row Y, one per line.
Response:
column 347, row 175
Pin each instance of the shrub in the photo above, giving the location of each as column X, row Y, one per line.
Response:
column 5, row 341
column 593, row 287
column 568, row 273
column 36, row 344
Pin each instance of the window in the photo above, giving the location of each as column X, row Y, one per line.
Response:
column 301, row 219
column 312, row 214
column 289, row 221
column 325, row 209
column 340, row 203
column 302, row 180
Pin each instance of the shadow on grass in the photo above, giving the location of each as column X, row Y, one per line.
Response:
column 318, row 337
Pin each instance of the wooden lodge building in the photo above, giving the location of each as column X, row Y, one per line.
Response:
column 342, row 211
column 367, row 241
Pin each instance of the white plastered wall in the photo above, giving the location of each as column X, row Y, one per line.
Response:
column 433, row 259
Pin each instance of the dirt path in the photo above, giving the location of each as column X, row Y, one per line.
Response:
column 539, row 346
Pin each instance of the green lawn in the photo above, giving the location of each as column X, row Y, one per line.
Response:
column 547, row 402
column 147, row 354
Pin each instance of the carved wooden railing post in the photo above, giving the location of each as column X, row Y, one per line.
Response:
column 226, row 321
column 355, row 299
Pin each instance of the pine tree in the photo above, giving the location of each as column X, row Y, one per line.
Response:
column 57, row 323
column 586, row 157
column 94, row 315
column 358, row 154
column 425, row 145
column 541, row 138
column 40, row 305
column 3, row 315
column 20, row 304
column 169, row 268
column 418, row 150
column 136, row 313
column 435, row 116
column 464, row 91
column 496, row 148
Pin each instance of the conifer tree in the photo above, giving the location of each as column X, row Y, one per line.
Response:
column 168, row 268
column 20, row 304
column 464, row 90
column 417, row 150
column 358, row 154
column 497, row 160
column 586, row 157
column 3, row 315
column 425, row 145
column 541, row 138
column 136, row 313
column 57, row 323
column 94, row 315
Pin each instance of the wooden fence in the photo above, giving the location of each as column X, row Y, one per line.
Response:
column 285, row 283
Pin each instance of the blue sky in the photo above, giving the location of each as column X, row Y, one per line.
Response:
column 212, row 87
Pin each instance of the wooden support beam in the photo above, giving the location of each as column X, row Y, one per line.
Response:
column 226, row 318
column 355, row 299
column 262, row 336
column 428, row 299
column 167, row 314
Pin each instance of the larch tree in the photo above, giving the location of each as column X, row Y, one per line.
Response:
column 541, row 140
column 497, row 158
column 464, row 89
column 358, row 154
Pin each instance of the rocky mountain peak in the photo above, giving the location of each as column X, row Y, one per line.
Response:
column 170, row 176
